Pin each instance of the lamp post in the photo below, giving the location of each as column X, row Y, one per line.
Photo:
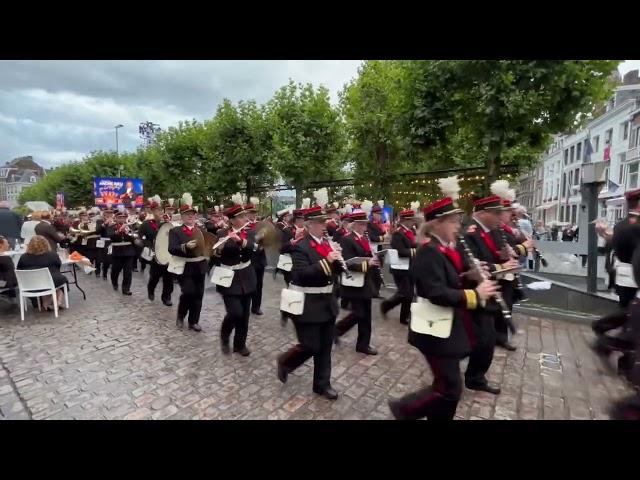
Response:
column 117, row 127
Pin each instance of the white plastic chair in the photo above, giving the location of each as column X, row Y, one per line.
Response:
column 30, row 281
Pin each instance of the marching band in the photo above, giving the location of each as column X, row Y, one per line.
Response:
column 456, row 284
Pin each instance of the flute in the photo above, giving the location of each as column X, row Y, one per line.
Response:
column 475, row 265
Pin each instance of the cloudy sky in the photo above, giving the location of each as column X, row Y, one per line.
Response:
column 61, row 110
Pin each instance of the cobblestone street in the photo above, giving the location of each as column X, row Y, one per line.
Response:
column 116, row 357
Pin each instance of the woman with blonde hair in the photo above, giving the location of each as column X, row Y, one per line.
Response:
column 40, row 255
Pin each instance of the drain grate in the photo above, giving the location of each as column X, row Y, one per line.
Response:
column 551, row 361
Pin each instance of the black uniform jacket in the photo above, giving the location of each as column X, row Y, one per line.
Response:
column 350, row 249
column 626, row 236
column 244, row 280
column 178, row 240
column 124, row 250
column 438, row 281
column 375, row 231
column 311, row 269
column 403, row 241
column 259, row 259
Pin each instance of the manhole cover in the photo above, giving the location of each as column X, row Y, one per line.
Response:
column 550, row 362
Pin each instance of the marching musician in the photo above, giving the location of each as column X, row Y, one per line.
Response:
column 103, row 259
column 45, row 229
column 236, row 254
column 314, row 266
column 376, row 230
column 259, row 259
column 486, row 217
column 284, row 219
column 287, row 232
column 93, row 237
column 183, row 244
column 148, row 231
column 439, row 268
column 355, row 244
column 332, row 220
column 345, row 222
column 79, row 244
column 507, row 243
column 123, row 252
column 403, row 240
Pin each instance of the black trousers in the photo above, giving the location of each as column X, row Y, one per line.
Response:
column 156, row 272
column 237, row 318
column 440, row 400
column 360, row 315
column 124, row 265
column 482, row 352
column 103, row 262
column 316, row 340
column 256, row 299
column 405, row 305
column 625, row 295
column 192, row 287
column 615, row 320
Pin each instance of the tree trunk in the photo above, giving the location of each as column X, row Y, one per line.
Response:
column 298, row 196
column 381, row 176
column 249, row 188
column 493, row 167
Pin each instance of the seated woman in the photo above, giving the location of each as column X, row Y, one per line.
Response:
column 39, row 255
column 7, row 270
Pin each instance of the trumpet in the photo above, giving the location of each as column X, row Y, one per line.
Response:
column 475, row 265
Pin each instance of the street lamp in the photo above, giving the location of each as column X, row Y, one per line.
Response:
column 117, row 127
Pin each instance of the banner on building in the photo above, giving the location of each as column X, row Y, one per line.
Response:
column 59, row 200
column 118, row 191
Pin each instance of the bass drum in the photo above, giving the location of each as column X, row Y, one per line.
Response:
column 161, row 244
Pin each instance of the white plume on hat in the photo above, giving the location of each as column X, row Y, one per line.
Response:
column 195, row 207
column 381, row 203
column 156, row 199
column 109, row 205
column 186, row 199
column 336, row 204
column 221, row 207
column 415, row 206
column 171, row 200
column 236, row 198
column 348, row 208
column 121, row 208
column 306, row 202
column 450, row 187
column 500, row 188
column 366, row 206
column 321, row 197
column 511, row 195
column 216, row 208
column 254, row 201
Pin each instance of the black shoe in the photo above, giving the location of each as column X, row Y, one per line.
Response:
column 404, row 321
column 180, row 323
column 599, row 348
column 152, row 297
column 244, row 351
column 195, row 327
column 115, row 287
column 328, row 393
column 167, row 302
column 396, row 411
column 383, row 310
column 507, row 346
column 283, row 372
column 369, row 350
column 128, row 294
column 104, row 277
column 283, row 320
column 257, row 312
column 224, row 346
column 482, row 387
column 135, row 270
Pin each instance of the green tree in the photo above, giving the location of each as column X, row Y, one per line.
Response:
column 508, row 109
column 308, row 136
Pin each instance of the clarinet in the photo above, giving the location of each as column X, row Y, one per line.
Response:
column 475, row 265
column 343, row 264
column 516, row 276
column 366, row 235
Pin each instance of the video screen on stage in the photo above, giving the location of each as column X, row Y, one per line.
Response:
column 118, row 191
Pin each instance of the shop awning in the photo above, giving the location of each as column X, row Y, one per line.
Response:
column 546, row 206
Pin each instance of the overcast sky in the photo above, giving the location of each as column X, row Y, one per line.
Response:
column 60, row 110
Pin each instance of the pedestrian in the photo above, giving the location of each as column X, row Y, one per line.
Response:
column 10, row 224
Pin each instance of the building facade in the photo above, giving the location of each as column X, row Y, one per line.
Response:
column 17, row 175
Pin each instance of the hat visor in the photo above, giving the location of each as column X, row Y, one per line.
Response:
column 191, row 210
column 450, row 212
column 317, row 218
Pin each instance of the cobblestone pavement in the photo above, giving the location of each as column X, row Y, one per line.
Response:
column 115, row 357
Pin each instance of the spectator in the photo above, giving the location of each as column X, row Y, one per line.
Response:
column 40, row 255
column 567, row 234
column 46, row 230
column 539, row 232
column 7, row 270
column 10, row 224
column 554, row 233
column 524, row 224
column 29, row 227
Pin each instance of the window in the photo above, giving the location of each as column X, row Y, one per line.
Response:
column 562, row 213
column 578, row 152
column 606, row 178
column 608, row 136
column 623, row 158
column 596, row 143
column 570, row 183
column 636, row 136
column 33, row 179
column 574, row 213
column 624, row 129
column 566, row 155
column 572, row 154
column 576, row 177
column 632, row 176
column 564, row 184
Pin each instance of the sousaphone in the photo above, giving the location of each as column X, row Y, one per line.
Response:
column 161, row 244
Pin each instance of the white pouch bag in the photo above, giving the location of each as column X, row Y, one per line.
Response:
column 147, row 254
column 285, row 262
column 292, row 301
column 110, row 250
column 176, row 266
column 222, row 276
column 430, row 319
column 100, row 243
column 356, row 280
